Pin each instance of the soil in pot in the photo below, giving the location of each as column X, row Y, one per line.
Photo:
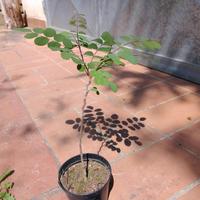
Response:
column 74, row 179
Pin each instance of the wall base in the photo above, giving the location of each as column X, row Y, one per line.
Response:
column 32, row 22
column 181, row 69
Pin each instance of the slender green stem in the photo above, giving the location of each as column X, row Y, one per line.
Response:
column 87, row 90
column 119, row 47
column 80, row 50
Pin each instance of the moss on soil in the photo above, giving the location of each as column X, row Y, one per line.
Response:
column 74, row 180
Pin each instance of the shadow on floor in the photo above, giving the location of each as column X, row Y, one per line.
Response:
column 110, row 131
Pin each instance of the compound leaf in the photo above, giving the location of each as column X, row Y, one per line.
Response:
column 88, row 53
column 127, row 55
column 53, row 45
column 68, row 43
column 41, row 41
column 38, row 30
column 107, row 37
column 66, row 55
column 49, row 32
column 115, row 59
column 30, row 35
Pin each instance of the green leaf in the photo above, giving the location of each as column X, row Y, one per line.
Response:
column 105, row 49
column 88, row 53
column 77, row 60
column 49, row 32
column 38, row 30
column 59, row 37
column 115, row 59
column 107, row 63
column 80, row 67
column 84, row 39
column 66, row 55
column 127, row 55
column 101, row 74
column 30, row 35
column 72, row 22
column 81, row 32
column 127, row 38
column 92, row 46
column 8, row 185
column 55, row 46
column 25, row 30
column 107, row 37
column 67, row 42
column 94, row 89
column 5, row 174
column 2, row 194
column 66, row 34
column 99, row 40
column 82, row 26
column 102, row 78
column 93, row 64
column 41, row 41
column 113, row 86
column 151, row 45
column 8, row 196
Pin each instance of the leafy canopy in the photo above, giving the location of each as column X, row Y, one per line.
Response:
column 113, row 52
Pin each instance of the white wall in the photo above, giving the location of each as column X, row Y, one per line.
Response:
column 34, row 9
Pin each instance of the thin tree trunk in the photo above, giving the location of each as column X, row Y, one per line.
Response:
column 7, row 19
column 12, row 11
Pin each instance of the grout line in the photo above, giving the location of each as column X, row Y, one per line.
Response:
column 41, row 76
column 56, row 63
column 166, row 137
column 26, row 62
column 149, row 108
column 185, row 190
column 44, row 140
column 51, row 192
column 164, row 102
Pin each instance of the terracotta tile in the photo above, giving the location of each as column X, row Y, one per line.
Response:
column 134, row 78
column 154, row 174
column 26, row 79
column 174, row 114
column 53, row 55
column 194, row 194
column 72, row 68
column 5, row 57
column 53, row 72
column 12, row 57
column 189, row 138
column 54, row 88
column 29, row 64
column 23, row 150
column 60, row 196
column 12, row 109
column 52, row 103
column 148, row 71
column 144, row 135
column 141, row 99
column 63, row 139
column 26, row 52
column 44, row 106
column 185, row 84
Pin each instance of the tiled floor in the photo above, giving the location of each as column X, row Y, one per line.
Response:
column 39, row 92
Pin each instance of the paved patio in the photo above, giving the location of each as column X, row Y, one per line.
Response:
column 39, row 92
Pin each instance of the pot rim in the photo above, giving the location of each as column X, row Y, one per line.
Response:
column 76, row 159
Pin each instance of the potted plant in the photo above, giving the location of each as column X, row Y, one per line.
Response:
column 87, row 176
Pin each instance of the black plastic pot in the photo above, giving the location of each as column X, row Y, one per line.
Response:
column 101, row 194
